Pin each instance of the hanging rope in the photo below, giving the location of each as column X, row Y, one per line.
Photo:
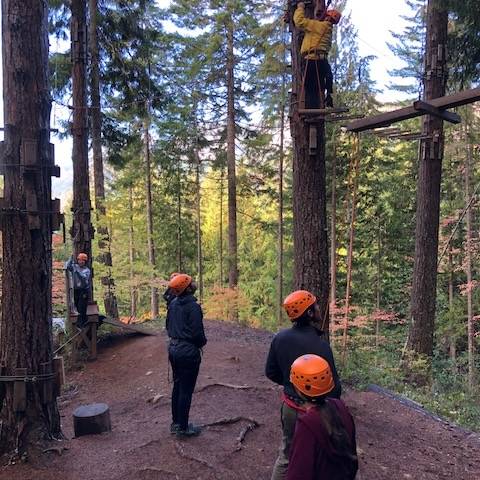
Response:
column 319, row 83
column 356, row 167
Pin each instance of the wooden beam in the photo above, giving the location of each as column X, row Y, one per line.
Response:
column 429, row 109
column 408, row 136
column 385, row 132
column 386, row 119
column 321, row 111
column 342, row 118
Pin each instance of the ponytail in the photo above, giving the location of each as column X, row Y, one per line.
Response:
column 339, row 437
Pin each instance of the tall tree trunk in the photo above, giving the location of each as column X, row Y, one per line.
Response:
column 150, row 241
column 232, row 180
column 82, row 230
column 25, row 329
column 105, row 257
column 470, row 325
column 220, row 229
column 353, row 217
column 199, row 215
column 280, row 191
column 424, row 283
column 379, row 282
column 309, row 193
column 453, row 340
column 333, row 228
column 179, row 221
column 131, row 252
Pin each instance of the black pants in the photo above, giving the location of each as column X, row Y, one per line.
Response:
column 185, row 373
column 80, row 297
column 318, row 74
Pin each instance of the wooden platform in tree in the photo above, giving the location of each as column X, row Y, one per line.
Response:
column 436, row 107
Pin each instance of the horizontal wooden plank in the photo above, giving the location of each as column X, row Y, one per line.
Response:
column 386, row 119
column 428, row 108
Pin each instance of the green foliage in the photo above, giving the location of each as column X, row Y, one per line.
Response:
column 464, row 41
column 447, row 394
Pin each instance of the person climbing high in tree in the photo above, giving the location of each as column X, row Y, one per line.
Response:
column 187, row 337
column 318, row 78
column 305, row 336
column 82, row 277
column 324, row 444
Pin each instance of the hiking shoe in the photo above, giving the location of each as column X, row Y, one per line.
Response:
column 191, row 431
column 328, row 101
column 175, row 427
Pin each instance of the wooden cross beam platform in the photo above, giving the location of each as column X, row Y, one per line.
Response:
column 436, row 107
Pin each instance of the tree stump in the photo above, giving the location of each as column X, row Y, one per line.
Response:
column 91, row 419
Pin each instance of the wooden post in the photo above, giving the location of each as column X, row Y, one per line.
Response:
column 92, row 315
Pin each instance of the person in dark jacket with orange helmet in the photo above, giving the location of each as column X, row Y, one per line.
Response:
column 82, row 284
column 324, row 443
column 303, row 337
column 187, row 338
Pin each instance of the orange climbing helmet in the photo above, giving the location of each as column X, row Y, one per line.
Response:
column 174, row 274
column 179, row 283
column 312, row 376
column 82, row 256
column 297, row 302
column 334, row 15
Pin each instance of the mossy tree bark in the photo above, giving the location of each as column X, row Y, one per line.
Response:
column 26, row 332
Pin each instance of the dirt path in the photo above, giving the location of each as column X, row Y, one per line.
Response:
column 395, row 442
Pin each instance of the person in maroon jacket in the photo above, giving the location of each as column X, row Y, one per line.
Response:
column 324, row 445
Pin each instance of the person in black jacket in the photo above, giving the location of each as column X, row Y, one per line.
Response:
column 187, row 337
column 82, row 284
column 303, row 337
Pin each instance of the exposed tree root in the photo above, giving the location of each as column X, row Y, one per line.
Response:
column 159, row 470
column 243, row 433
column 58, row 450
column 226, row 385
column 147, row 444
column 229, row 421
column 251, row 425
column 180, row 450
column 235, row 387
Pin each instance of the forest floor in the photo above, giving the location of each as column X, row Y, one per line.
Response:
column 131, row 376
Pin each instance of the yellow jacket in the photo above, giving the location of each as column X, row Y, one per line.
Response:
column 318, row 34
